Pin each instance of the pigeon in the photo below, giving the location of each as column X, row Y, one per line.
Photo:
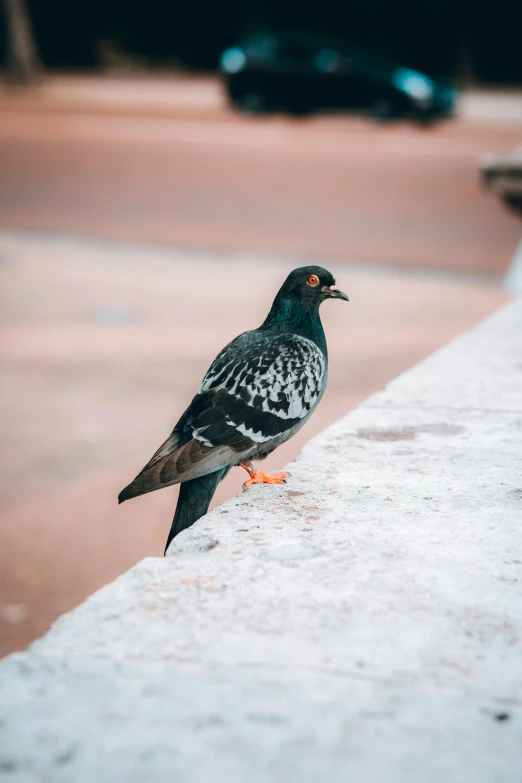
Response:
column 258, row 392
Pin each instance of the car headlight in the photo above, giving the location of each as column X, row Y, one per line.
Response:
column 414, row 84
column 233, row 60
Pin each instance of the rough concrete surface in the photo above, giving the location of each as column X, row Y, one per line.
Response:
column 362, row 622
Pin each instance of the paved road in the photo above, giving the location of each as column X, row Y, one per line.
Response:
column 329, row 187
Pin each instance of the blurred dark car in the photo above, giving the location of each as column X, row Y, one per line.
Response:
column 299, row 73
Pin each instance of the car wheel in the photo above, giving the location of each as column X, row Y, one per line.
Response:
column 383, row 110
column 252, row 103
column 299, row 110
column 426, row 120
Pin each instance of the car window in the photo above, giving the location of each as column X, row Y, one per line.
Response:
column 264, row 46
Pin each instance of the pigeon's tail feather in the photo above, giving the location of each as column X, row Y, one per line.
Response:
column 194, row 500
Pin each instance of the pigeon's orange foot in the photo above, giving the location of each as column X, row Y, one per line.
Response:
column 266, row 478
column 261, row 478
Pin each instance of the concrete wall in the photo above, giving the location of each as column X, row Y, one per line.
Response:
column 363, row 622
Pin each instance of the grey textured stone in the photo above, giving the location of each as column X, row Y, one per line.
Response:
column 362, row 622
column 105, row 721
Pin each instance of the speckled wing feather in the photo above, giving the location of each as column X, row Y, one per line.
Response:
column 262, row 384
column 256, row 391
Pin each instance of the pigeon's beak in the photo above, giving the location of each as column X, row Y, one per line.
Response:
column 334, row 293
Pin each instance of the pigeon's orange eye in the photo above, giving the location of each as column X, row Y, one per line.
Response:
column 313, row 280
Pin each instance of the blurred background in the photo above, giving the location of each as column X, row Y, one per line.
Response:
column 162, row 169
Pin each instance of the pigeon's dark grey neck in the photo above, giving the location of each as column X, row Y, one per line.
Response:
column 289, row 314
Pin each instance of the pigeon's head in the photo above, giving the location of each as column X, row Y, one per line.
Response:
column 312, row 285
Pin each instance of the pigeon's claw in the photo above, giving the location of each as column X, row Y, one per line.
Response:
column 266, row 478
column 261, row 478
